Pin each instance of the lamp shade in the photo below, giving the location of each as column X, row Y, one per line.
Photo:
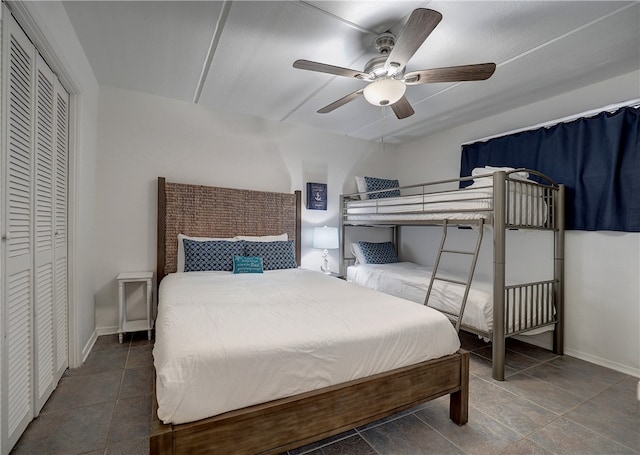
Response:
column 384, row 91
column 325, row 237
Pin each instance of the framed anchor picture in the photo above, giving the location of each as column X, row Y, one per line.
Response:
column 316, row 196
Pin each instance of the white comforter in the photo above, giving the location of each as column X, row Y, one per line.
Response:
column 411, row 281
column 226, row 341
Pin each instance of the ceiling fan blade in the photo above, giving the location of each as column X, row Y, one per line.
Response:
column 419, row 26
column 402, row 108
column 478, row 72
column 341, row 102
column 329, row 69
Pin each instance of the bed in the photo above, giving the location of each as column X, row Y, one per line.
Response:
column 411, row 281
column 356, row 381
column 498, row 199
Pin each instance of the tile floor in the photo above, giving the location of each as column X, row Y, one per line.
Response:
column 547, row 405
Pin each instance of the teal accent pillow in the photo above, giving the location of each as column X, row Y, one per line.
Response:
column 247, row 264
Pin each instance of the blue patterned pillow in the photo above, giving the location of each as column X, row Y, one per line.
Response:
column 374, row 184
column 247, row 264
column 213, row 255
column 275, row 255
column 379, row 253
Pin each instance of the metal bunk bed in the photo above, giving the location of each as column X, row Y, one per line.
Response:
column 505, row 202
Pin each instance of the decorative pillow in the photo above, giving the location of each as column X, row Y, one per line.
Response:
column 181, row 237
column 378, row 253
column 213, row 255
column 247, row 264
column 275, row 255
column 374, row 184
column 263, row 238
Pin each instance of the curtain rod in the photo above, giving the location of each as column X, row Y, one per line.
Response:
column 635, row 103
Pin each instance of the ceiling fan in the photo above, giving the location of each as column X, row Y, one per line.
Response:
column 386, row 73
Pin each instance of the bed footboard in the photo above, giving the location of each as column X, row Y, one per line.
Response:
column 292, row 422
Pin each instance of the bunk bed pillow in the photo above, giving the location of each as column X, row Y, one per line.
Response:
column 378, row 253
column 362, row 187
column 375, row 184
column 214, row 255
column 275, row 255
column 491, row 169
column 358, row 254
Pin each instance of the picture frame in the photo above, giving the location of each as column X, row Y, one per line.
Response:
column 316, row 196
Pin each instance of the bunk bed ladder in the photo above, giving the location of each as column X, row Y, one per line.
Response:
column 472, row 268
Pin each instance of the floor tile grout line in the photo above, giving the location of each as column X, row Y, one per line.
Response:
column 368, row 443
column 557, row 413
column 595, row 431
column 115, row 403
column 442, row 435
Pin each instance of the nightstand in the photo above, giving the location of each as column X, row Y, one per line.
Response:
column 126, row 326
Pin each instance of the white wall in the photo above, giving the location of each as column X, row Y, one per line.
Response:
column 602, row 294
column 48, row 26
column 142, row 137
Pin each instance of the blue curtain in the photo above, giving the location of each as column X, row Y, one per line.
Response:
column 597, row 158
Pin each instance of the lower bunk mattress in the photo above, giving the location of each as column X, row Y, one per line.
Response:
column 225, row 341
column 411, row 281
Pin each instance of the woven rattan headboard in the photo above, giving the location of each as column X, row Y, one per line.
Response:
column 207, row 211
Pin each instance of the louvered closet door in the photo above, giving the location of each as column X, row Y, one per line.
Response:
column 17, row 381
column 44, row 229
column 61, row 139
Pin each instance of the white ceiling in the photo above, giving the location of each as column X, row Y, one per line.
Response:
column 541, row 49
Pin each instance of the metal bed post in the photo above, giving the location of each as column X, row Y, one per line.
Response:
column 499, row 237
column 558, row 271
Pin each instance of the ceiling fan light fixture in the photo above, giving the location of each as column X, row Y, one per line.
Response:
column 384, row 92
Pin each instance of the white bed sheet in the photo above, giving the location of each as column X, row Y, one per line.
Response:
column 411, row 281
column 526, row 207
column 226, row 341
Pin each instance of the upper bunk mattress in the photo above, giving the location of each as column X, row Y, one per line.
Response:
column 226, row 341
column 525, row 206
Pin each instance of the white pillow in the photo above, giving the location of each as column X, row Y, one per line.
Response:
column 358, row 254
column 522, row 175
column 361, row 184
column 263, row 238
column 181, row 237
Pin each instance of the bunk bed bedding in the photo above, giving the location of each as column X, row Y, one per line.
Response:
column 410, row 281
column 525, row 205
column 226, row 341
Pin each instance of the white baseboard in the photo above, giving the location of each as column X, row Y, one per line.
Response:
column 633, row 371
column 107, row 330
column 545, row 341
column 89, row 346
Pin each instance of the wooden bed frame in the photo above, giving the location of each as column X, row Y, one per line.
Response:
column 291, row 422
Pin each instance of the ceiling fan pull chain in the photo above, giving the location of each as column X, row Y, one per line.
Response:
column 383, row 125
